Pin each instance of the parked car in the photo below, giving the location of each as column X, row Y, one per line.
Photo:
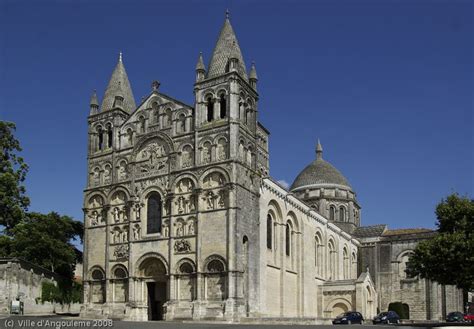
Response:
column 387, row 317
column 348, row 318
column 469, row 317
column 455, row 317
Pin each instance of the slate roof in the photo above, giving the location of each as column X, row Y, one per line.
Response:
column 319, row 172
column 404, row 231
column 227, row 47
column 118, row 86
column 370, row 231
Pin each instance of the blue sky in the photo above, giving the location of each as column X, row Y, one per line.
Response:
column 386, row 85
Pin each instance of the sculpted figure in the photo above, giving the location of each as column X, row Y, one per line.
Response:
column 136, row 232
column 220, row 199
column 210, row 200
column 180, row 205
column 165, row 231
column 191, row 228
column 180, row 230
column 116, row 236
column 116, row 214
column 122, row 171
column 107, row 174
column 124, row 235
column 137, row 211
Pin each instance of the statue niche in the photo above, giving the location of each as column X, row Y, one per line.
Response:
column 185, row 200
column 94, row 211
column 214, row 194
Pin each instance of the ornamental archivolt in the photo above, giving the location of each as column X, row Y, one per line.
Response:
column 162, row 182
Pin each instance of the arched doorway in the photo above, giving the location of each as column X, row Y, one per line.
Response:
column 152, row 272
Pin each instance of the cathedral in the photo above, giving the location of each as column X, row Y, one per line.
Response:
column 183, row 220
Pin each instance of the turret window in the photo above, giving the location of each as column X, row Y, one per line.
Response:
column 100, row 132
column 109, row 136
column 342, row 214
column 182, row 123
column 223, row 106
column 332, row 213
column 210, row 109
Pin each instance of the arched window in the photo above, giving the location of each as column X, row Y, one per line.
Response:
column 288, row 239
column 342, row 214
column 223, row 105
column 210, row 109
column 182, row 123
column 186, row 268
column 332, row 212
column 109, row 136
column 100, row 132
column 345, row 263
column 142, row 124
column 130, row 136
column 97, row 275
column 154, row 213
column 269, row 232
column 215, row 266
column 332, row 260
column 318, row 253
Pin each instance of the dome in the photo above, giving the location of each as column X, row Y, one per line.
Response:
column 319, row 172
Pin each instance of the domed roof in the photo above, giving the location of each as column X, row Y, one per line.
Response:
column 319, row 172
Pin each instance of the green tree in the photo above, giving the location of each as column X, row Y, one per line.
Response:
column 13, row 202
column 448, row 258
column 47, row 240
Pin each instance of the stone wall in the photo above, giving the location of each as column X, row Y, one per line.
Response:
column 23, row 280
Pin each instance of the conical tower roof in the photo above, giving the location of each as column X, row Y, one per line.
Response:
column 200, row 64
column 119, row 86
column 253, row 72
column 94, row 101
column 227, row 47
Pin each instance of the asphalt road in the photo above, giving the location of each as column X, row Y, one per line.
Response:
column 56, row 322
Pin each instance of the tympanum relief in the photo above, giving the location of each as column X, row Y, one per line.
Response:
column 152, row 159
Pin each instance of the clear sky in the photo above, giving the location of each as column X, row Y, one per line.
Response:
column 386, row 85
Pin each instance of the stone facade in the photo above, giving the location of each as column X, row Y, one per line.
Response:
column 183, row 221
column 386, row 253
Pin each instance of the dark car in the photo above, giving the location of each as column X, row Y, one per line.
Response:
column 469, row 317
column 387, row 317
column 348, row 318
column 455, row 317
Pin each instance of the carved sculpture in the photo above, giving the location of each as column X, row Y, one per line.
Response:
column 191, row 227
column 121, row 251
column 116, row 214
column 180, row 230
column 136, row 232
column 182, row 246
